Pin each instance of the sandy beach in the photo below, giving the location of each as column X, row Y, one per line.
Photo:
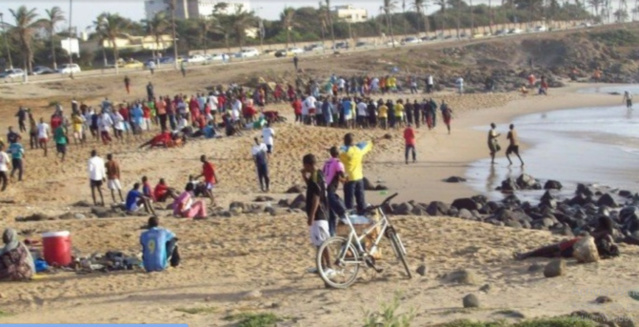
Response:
column 226, row 261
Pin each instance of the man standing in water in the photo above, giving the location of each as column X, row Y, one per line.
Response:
column 627, row 98
column 97, row 174
column 493, row 145
column 513, row 147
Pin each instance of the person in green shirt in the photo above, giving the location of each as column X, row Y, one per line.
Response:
column 17, row 153
column 61, row 140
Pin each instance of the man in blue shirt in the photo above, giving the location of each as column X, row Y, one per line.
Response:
column 17, row 153
column 135, row 199
column 159, row 246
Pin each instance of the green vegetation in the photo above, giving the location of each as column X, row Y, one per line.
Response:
column 200, row 310
column 247, row 319
column 542, row 322
column 616, row 38
column 388, row 316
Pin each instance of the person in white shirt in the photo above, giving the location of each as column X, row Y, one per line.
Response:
column 460, row 85
column 429, row 84
column 268, row 134
column 362, row 113
column 4, row 167
column 236, row 110
column 97, row 175
column 118, row 125
column 104, row 123
column 213, row 103
column 341, row 84
column 43, row 135
column 311, row 104
column 260, row 157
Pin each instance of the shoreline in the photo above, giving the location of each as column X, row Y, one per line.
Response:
column 456, row 153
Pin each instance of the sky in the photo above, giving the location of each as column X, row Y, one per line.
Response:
column 85, row 11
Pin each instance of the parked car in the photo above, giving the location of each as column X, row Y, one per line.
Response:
column 69, row 69
column 395, row 42
column 248, row 53
column 295, row 51
column 12, row 73
column 314, row 47
column 362, row 44
column 283, row 53
column 515, row 31
column 411, row 40
column 541, row 28
column 42, row 70
column 196, row 59
column 131, row 63
column 501, row 32
column 340, row 45
column 166, row 60
column 214, row 57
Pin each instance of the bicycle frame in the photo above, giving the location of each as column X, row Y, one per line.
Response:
column 383, row 223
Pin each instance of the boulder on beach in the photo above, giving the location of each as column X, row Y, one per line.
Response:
column 470, row 301
column 295, row 189
column 555, row 268
column 455, row 179
column 437, row 208
column 585, row 250
column 299, row 202
column 553, row 185
column 368, row 186
column 526, row 182
column 607, row 200
column 465, row 203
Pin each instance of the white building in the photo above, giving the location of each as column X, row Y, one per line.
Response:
column 185, row 9
column 350, row 14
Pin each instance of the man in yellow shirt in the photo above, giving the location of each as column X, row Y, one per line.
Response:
column 383, row 115
column 399, row 114
column 352, row 156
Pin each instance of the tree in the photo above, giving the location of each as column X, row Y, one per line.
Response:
column 54, row 16
column 156, row 27
column 621, row 15
column 242, row 20
column 222, row 24
column 97, row 25
column 389, row 6
column 596, row 5
column 330, row 21
column 111, row 26
column 419, row 5
column 24, row 27
column 442, row 13
column 288, row 21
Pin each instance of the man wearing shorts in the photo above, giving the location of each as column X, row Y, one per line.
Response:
column 316, row 205
column 43, row 135
column 210, row 179
column 61, row 140
column 97, row 174
column 513, row 147
column 113, row 177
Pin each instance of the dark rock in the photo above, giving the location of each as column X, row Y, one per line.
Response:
column 555, row 268
column 535, row 267
column 455, row 179
column 84, row 204
column 403, row 209
column 284, row 203
column 508, row 185
column 513, row 224
column 485, row 288
column 585, row 190
column 526, row 182
column 603, row 299
column 607, row 200
column 465, row 203
column 553, row 185
column 422, row 270
column 511, row 200
column 295, row 189
column 381, row 187
column 437, row 208
column 273, row 211
column 368, row 186
column 453, row 212
column 465, row 214
column 235, row 205
column 299, row 202
column 66, row 216
column 471, row 301
column 263, row 198
column 34, row 217
column 580, row 200
column 625, row 193
column 418, row 211
column 226, row 214
column 102, row 212
column 462, row 276
column 480, row 200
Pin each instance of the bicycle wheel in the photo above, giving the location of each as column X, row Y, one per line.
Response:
column 343, row 259
column 399, row 250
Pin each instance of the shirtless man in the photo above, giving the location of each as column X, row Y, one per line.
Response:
column 513, row 147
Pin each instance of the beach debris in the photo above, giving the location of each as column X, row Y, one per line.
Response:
column 555, row 268
column 585, row 250
column 283, row 203
column 299, row 202
column 485, row 288
column 603, row 299
column 455, row 179
column 465, row 203
column 422, row 270
column 83, row 204
column 368, row 185
column 34, row 217
column 264, row 198
column 527, row 182
column 470, row 301
column 252, row 295
column 552, row 185
column 462, row 276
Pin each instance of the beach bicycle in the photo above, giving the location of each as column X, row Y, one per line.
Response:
column 347, row 254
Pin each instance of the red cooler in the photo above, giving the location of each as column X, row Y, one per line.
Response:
column 57, row 248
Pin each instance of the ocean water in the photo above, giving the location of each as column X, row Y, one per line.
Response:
column 633, row 89
column 588, row 145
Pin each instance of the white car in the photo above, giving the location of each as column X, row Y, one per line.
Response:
column 12, row 73
column 411, row 40
column 214, row 57
column 515, row 31
column 295, row 50
column 69, row 69
column 390, row 43
column 196, row 59
column 541, row 28
column 248, row 53
column 314, row 47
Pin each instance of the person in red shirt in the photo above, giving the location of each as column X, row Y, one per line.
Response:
column 297, row 108
column 163, row 139
column 162, row 192
column 409, row 137
column 210, row 179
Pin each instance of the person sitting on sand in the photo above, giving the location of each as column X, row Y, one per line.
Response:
column 159, row 247
column 16, row 262
column 603, row 240
column 185, row 207
column 135, row 199
column 162, row 192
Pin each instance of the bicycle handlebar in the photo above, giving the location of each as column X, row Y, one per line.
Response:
column 385, row 202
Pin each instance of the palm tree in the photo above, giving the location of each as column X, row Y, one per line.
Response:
column 110, row 27
column 442, row 13
column 156, row 27
column 389, row 6
column 330, row 20
column 419, row 5
column 242, row 20
column 621, row 15
column 54, row 16
column 597, row 5
column 287, row 17
column 24, row 27
column 222, row 24
column 204, row 30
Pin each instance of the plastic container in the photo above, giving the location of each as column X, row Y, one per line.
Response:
column 57, row 248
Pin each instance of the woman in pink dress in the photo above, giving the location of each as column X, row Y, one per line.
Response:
column 184, row 206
